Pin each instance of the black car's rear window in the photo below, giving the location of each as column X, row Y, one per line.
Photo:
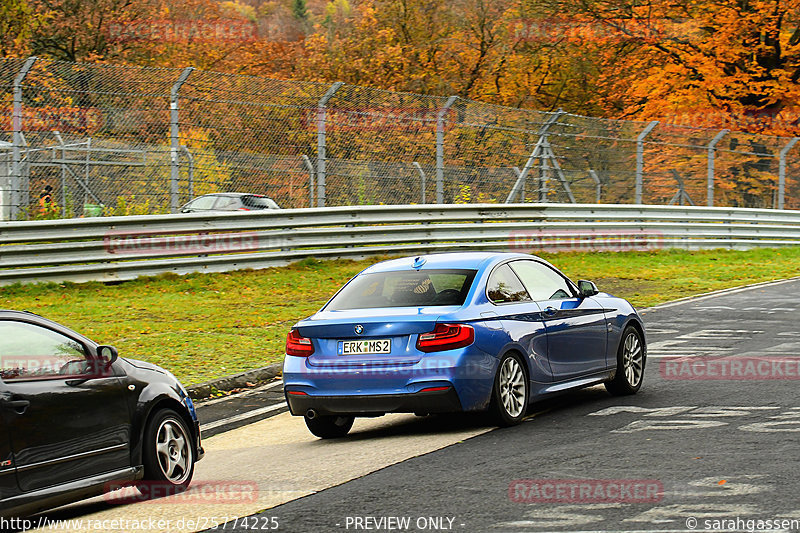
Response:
column 405, row 288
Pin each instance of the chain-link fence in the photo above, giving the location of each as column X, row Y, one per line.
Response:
column 127, row 140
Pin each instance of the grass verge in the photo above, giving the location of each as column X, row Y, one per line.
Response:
column 205, row 326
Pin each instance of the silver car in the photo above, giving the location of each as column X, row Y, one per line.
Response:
column 225, row 202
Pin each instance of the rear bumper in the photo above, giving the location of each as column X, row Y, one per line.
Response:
column 376, row 404
column 394, row 388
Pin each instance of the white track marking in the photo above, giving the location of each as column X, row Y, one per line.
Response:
column 242, row 416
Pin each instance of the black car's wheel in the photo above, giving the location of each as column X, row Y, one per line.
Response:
column 630, row 364
column 168, row 454
column 510, row 392
column 329, row 427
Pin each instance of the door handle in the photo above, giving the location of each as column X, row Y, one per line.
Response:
column 19, row 406
column 550, row 311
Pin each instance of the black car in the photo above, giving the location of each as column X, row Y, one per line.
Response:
column 225, row 202
column 77, row 420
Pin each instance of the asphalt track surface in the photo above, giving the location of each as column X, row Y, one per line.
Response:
column 689, row 452
column 721, row 449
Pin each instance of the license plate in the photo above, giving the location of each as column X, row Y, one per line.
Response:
column 365, row 347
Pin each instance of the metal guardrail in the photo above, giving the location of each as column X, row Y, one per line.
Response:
column 121, row 248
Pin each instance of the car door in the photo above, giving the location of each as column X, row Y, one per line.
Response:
column 66, row 421
column 203, row 203
column 576, row 326
column 227, row 203
column 8, row 477
column 521, row 320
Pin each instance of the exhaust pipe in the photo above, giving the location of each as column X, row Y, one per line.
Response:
column 311, row 414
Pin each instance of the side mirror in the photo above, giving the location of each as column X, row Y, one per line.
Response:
column 98, row 368
column 107, row 354
column 587, row 288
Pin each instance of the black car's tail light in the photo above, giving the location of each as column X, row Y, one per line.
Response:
column 446, row 337
column 297, row 345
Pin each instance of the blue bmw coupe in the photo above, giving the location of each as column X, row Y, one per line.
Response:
column 458, row 332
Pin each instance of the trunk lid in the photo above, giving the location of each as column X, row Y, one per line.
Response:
column 329, row 330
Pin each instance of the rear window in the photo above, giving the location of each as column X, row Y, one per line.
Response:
column 405, row 288
column 259, row 202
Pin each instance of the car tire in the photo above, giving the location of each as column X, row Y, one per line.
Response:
column 168, row 455
column 510, row 392
column 631, row 359
column 329, row 427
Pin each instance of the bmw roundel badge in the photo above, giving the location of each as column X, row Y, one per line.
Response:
column 359, row 329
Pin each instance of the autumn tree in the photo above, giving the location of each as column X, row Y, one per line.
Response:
column 16, row 21
column 737, row 57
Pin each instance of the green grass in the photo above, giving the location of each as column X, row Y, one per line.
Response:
column 204, row 326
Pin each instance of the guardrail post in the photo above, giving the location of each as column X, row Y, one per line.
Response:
column 423, row 179
column 710, row 181
column 310, row 168
column 15, row 180
column 640, row 160
column 440, row 149
column 782, row 171
column 321, row 141
column 175, row 142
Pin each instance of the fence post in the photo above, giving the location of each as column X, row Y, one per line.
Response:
column 598, row 186
column 537, row 152
column 15, row 180
column 63, row 157
column 321, row 141
column 518, row 174
column 310, row 168
column 175, row 142
column 440, row 149
column 782, row 171
column 640, row 160
column 422, row 178
column 190, row 169
column 544, row 179
column 710, row 182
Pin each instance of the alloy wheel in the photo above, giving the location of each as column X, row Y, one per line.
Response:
column 512, row 387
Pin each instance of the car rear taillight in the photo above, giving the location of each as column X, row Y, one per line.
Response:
column 297, row 345
column 446, row 337
column 243, row 209
column 435, row 389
